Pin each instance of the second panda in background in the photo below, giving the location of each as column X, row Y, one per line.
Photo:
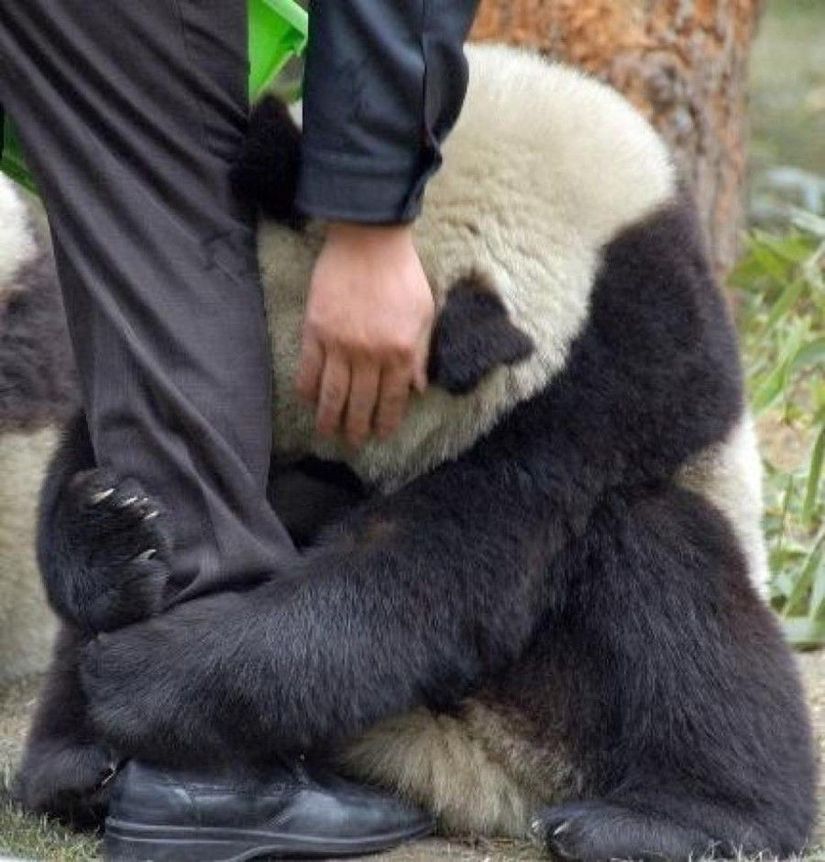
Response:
column 545, row 615
column 38, row 393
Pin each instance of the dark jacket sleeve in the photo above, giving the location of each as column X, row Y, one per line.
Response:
column 385, row 80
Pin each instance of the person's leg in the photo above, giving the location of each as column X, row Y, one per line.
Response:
column 132, row 114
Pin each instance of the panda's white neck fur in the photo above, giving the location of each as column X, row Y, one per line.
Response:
column 543, row 169
column 17, row 245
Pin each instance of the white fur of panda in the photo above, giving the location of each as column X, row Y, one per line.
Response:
column 543, row 169
column 17, row 242
column 26, row 623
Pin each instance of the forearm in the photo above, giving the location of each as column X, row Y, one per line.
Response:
column 385, row 82
column 389, row 617
column 414, row 600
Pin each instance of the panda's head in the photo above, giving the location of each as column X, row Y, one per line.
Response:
column 543, row 169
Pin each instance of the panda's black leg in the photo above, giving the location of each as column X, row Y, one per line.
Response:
column 684, row 708
column 596, row 831
column 101, row 540
column 65, row 769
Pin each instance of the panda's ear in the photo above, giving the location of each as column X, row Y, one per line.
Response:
column 266, row 173
column 473, row 335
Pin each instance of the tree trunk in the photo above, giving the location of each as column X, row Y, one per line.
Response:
column 682, row 62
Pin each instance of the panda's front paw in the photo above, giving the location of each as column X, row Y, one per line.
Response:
column 597, row 831
column 113, row 545
column 67, row 780
column 174, row 688
column 152, row 687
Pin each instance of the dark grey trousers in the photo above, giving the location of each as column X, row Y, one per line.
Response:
column 131, row 112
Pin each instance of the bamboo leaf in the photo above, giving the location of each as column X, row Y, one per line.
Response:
column 812, row 353
column 804, row 633
column 798, row 599
column 815, row 562
column 814, row 477
column 787, row 300
column 769, row 263
column 809, row 222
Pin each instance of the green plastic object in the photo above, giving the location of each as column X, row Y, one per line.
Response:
column 277, row 32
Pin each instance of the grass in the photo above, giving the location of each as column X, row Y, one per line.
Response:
column 781, row 282
column 40, row 839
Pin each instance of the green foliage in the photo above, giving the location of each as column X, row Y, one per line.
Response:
column 781, row 280
column 38, row 838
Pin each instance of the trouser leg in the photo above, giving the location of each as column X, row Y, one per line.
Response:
column 131, row 112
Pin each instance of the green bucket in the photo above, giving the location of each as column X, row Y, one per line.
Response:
column 277, row 33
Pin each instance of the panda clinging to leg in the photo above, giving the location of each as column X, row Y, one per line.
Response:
column 544, row 614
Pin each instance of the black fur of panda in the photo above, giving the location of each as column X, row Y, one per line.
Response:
column 545, row 617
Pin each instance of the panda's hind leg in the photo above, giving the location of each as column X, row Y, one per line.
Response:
column 684, row 710
column 65, row 769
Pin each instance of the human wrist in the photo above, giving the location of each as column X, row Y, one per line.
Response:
column 368, row 236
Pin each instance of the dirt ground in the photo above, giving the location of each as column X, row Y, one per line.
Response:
column 33, row 840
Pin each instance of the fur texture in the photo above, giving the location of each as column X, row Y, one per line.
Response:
column 729, row 476
column 587, row 166
column 17, row 245
column 26, row 624
column 532, row 619
column 37, row 393
column 102, row 543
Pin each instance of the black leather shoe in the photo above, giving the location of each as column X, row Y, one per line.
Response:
column 300, row 812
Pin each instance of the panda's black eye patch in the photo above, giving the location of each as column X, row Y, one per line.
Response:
column 473, row 335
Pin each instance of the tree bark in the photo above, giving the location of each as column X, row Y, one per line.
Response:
column 683, row 63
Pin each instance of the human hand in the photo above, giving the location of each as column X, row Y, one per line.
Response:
column 366, row 331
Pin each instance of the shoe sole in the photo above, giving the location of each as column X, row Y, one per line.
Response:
column 134, row 842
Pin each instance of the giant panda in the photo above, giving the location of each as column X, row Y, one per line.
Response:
column 37, row 394
column 541, row 612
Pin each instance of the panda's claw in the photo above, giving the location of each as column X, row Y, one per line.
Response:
column 595, row 830
column 116, row 543
column 97, row 498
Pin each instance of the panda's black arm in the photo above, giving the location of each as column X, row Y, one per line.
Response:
column 86, row 571
column 56, row 556
column 100, row 545
column 414, row 599
column 309, row 494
